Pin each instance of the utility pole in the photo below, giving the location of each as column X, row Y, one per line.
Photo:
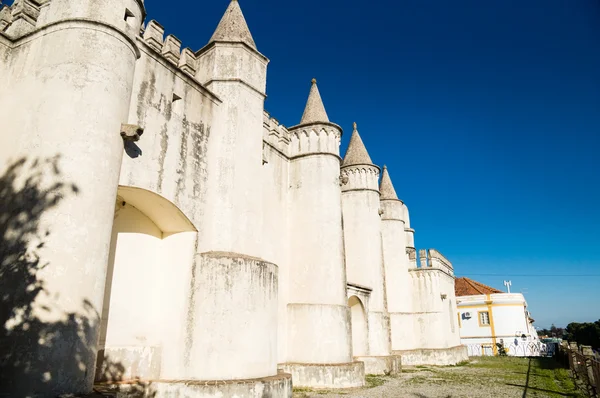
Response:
column 508, row 285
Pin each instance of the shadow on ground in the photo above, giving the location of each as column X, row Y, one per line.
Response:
column 546, row 375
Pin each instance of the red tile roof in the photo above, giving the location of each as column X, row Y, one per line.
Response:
column 469, row 287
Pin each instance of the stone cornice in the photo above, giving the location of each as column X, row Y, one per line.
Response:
column 55, row 26
column 360, row 288
column 305, row 125
column 304, row 155
column 232, row 44
column 431, row 269
column 360, row 189
column 238, row 80
column 358, row 166
column 392, row 200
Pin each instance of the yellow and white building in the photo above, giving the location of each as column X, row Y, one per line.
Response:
column 488, row 317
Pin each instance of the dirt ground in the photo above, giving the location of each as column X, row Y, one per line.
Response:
column 484, row 377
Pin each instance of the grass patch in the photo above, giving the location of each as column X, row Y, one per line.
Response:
column 533, row 378
column 303, row 392
column 373, row 381
column 542, row 377
column 538, row 377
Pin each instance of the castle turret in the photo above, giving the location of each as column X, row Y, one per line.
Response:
column 396, row 254
column 234, row 338
column 318, row 333
column 69, row 90
column 363, row 253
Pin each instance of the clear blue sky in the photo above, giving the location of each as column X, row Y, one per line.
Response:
column 487, row 114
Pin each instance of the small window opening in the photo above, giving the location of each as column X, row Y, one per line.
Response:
column 128, row 14
column 176, row 97
column 484, row 318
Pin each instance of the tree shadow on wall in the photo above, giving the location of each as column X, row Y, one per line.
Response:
column 38, row 358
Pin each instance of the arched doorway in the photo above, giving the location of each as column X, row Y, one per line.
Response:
column 360, row 345
column 148, row 278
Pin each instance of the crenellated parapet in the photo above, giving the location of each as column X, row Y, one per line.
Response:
column 433, row 259
column 169, row 48
column 22, row 17
column 360, row 177
column 275, row 134
column 315, row 139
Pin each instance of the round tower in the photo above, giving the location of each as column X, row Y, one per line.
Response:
column 363, row 250
column 396, row 251
column 69, row 93
column 233, row 332
column 318, row 330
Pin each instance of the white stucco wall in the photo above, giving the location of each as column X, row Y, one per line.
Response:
column 147, row 288
column 363, row 249
column 171, row 158
column 399, row 284
column 508, row 322
column 228, row 255
column 67, row 92
column 234, row 221
column 318, row 315
column 434, row 308
column 133, row 295
column 276, row 233
column 360, row 333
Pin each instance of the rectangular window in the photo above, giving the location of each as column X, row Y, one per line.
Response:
column 484, row 318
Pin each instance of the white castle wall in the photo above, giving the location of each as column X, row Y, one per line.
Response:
column 363, row 249
column 72, row 62
column 399, row 285
column 224, row 254
column 276, row 226
column 177, row 114
column 318, row 315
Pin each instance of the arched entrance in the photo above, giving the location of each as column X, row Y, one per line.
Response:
column 148, row 279
column 360, row 345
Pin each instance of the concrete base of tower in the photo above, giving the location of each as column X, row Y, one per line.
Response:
column 384, row 365
column 279, row 386
column 339, row 375
column 440, row 357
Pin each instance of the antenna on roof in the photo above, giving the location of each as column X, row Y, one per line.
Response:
column 508, row 284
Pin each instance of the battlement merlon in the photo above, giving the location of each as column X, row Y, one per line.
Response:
column 169, row 48
column 437, row 260
column 423, row 258
column 275, row 135
column 5, row 17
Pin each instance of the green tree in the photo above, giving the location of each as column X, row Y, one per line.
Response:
column 584, row 333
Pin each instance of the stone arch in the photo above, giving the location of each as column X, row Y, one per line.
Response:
column 360, row 342
column 150, row 261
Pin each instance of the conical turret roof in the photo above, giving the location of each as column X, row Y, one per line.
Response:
column 356, row 152
column 315, row 110
column 386, row 188
column 233, row 27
